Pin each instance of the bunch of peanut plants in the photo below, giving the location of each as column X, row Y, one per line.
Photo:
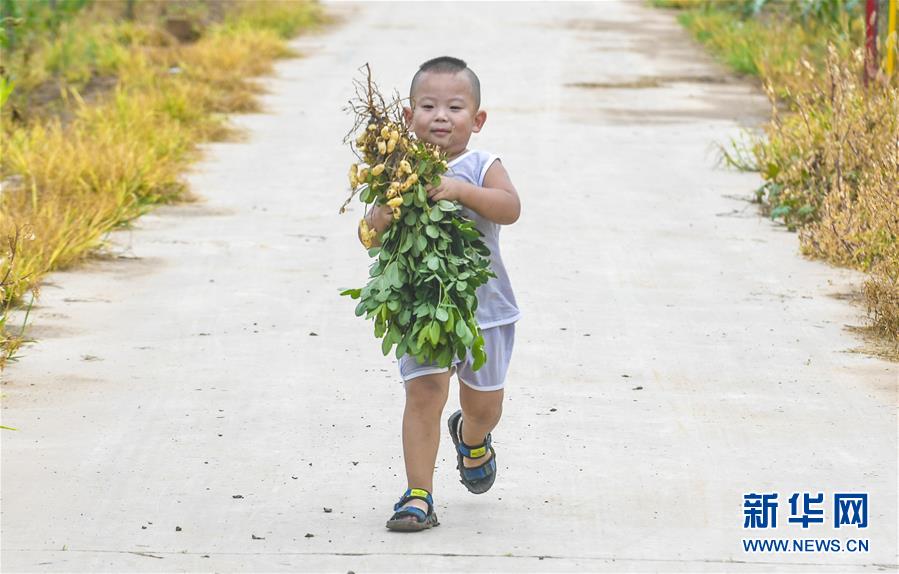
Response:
column 431, row 260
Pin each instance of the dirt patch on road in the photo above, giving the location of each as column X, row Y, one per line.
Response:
column 628, row 27
column 36, row 332
column 718, row 110
column 654, row 82
column 873, row 343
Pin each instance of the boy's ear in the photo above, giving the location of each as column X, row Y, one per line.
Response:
column 479, row 119
column 407, row 114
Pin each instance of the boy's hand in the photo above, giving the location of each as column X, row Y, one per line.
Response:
column 381, row 217
column 495, row 200
column 449, row 189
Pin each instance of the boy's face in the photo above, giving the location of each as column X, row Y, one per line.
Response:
column 444, row 111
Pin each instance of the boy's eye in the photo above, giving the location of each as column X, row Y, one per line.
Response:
column 428, row 107
column 455, row 108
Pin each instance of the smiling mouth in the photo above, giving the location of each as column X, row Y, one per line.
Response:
column 441, row 132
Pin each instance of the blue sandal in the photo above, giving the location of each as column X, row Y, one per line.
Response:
column 420, row 520
column 478, row 479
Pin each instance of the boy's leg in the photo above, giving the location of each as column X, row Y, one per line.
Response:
column 425, row 399
column 481, row 411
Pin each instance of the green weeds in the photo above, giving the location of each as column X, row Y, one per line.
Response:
column 829, row 157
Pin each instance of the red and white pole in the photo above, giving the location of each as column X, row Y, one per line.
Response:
column 870, row 40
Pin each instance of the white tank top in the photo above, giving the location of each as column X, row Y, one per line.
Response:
column 496, row 301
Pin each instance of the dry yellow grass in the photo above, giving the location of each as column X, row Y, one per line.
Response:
column 832, row 171
column 71, row 177
column 830, row 154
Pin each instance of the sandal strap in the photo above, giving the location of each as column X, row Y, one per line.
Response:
column 418, row 513
column 478, row 451
column 415, row 494
column 480, row 472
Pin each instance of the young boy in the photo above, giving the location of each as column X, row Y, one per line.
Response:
column 445, row 99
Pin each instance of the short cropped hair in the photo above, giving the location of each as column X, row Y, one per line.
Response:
column 449, row 65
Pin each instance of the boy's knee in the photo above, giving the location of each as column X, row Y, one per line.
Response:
column 482, row 414
column 482, row 407
column 427, row 393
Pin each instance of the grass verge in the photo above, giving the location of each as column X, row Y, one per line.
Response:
column 101, row 114
column 829, row 156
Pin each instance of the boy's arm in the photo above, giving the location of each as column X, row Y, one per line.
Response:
column 497, row 200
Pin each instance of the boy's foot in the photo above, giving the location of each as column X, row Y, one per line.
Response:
column 476, row 464
column 414, row 512
column 415, row 503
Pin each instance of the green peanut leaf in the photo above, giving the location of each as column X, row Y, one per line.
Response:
column 480, row 357
column 401, row 347
column 461, row 350
column 422, row 336
column 407, row 242
column 436, row 215
column 470, row 234
column 441, row 314
column 444, row 357
column 445, row 205
column 392, row 275
column 432, row 231
column 434, row 332
column 462, row 330
column 353, row 293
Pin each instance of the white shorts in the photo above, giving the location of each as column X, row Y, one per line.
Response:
column 498, row 344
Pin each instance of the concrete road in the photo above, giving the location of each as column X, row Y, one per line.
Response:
column 197, row 403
